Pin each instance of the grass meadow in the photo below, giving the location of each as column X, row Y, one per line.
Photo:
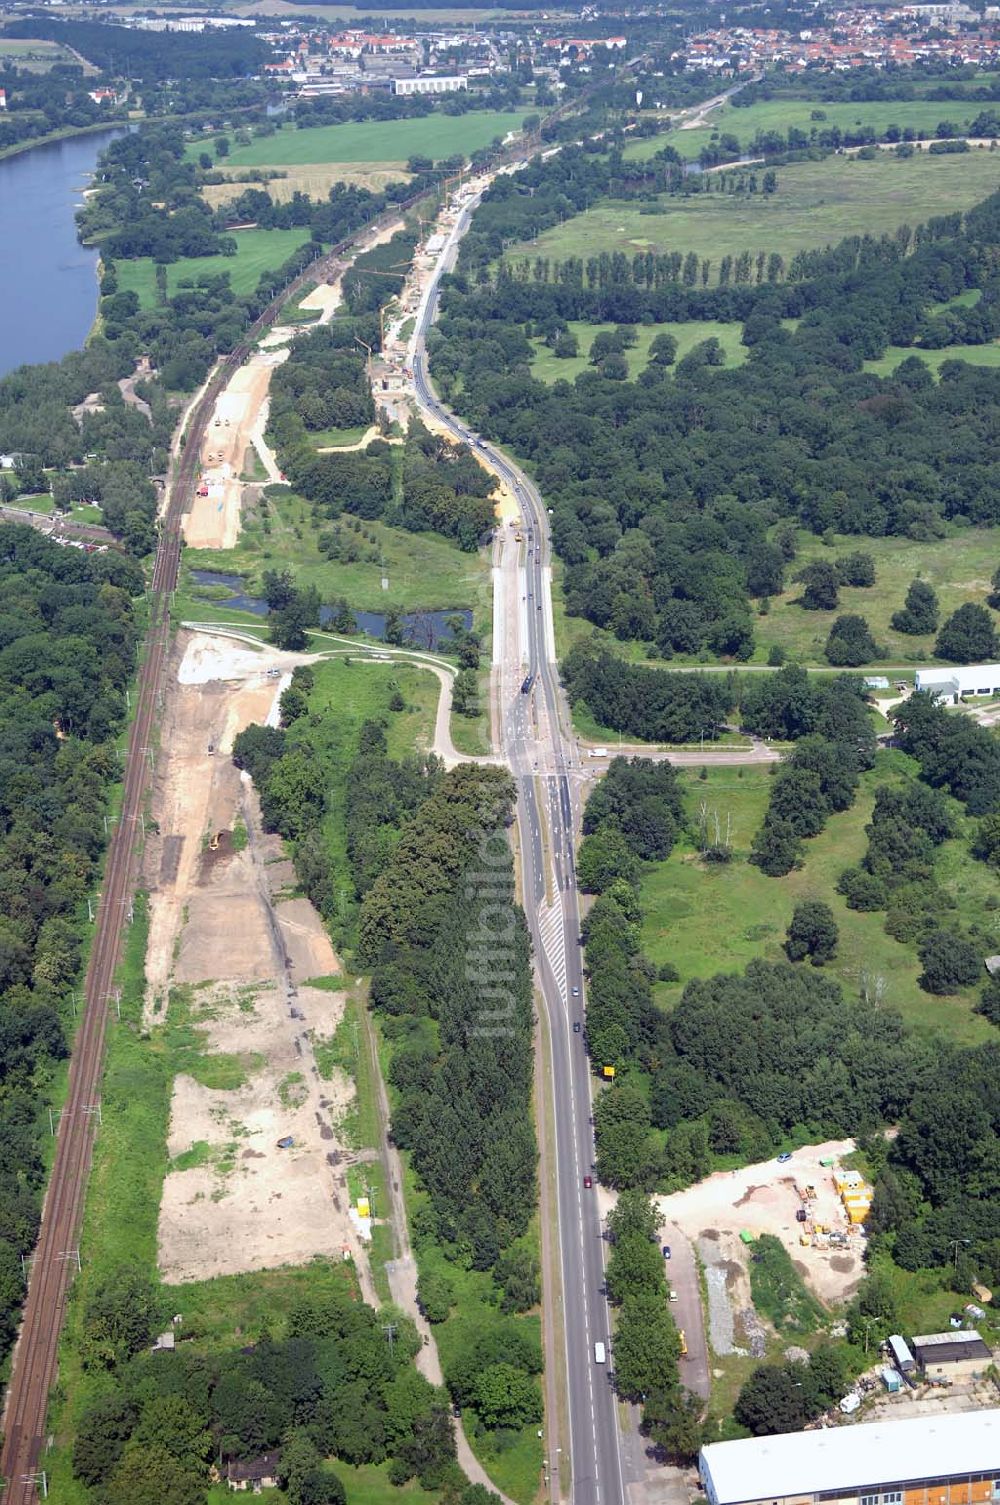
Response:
column 816, row 204
column 425, row 572
column 257, row 251
column 382, row 141
column 707, row 919
column 958, row 567
column 550, row 368
column 919, row 115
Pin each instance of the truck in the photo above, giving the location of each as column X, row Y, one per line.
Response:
column 684, row 1343
column 597, row 752
column 527, row 683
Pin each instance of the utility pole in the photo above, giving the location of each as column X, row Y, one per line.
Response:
column 389, row 1328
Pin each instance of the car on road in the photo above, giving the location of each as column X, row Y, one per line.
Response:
column 784, row 1157
column 666, row 1251
column 576, row 1027
column 673, row 1295
column 588, row 1182
column 576, row 992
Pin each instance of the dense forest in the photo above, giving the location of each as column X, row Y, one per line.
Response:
column 668, row 491
column 329, row 1386
column 153, row 55
column 67, row 646
column 452, row 992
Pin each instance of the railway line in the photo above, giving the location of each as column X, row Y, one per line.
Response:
column 35, row 1362
column 22, row 1476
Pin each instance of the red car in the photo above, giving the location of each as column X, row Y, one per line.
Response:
column 587, row 1183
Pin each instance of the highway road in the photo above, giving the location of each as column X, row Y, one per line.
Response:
column 535, row 739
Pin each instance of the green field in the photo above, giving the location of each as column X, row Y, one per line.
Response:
column 257, row 251
column 381, row 141
column 816, row 204
column 959, row 568
column 920, row 115
column 975, row 355
column 425, row 572
column 549, row 368
column 706, row 919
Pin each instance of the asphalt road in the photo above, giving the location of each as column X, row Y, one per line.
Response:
column 536, row 743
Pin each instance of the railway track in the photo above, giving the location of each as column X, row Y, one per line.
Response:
column 34, row 1369
column 55, row 1256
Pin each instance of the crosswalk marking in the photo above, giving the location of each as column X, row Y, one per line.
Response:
column 553, row 939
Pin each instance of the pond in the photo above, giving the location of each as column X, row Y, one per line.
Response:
column 421, row 629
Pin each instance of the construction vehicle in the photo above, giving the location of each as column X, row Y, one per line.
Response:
column 213, row 845
column 684, row 1344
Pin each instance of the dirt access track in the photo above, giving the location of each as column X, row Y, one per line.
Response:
column 763, row 1199
column 237, row 427
column 228, row 961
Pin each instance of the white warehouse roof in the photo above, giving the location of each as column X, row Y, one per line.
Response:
column 967, row 677
column 802, row 1463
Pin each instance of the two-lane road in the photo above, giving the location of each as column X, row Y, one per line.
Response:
column 536, row 743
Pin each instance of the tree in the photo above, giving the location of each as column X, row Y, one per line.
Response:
column 968, row 636
column 772, row 1400
column 118, row 1318
column 507, row 1397
column 103, row 1431
column 465, row 693
column 776, row 848
column 646, row 1345
column 850, row 643
column 812, row 933
column 148, row 1475
column 603, row 857
column 822, row 583
column 672, row 1418
column 663, row 349
column 435, row 1295
column 920, row 610
column 856, row 569
column 633, row 1213
column 949, row 961
column 517, row 1270
column 986, row 842
column 171, row 1422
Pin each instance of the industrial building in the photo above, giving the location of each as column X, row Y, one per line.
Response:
column 443, row 84
column 959, row 680
column 940, row 1460
column 954, row 1356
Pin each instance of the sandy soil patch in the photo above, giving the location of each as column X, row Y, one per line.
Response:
column 316, row 180
column 223, row 940
column 237, row 425
column 764, row 1199
column 307, row 944
column 246, row 1204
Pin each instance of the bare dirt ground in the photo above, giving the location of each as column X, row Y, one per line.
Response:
column 315, row 179
column 237, row 426
column 763, row 1199
column 233, row 948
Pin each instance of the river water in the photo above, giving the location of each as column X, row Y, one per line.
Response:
column 48, row 283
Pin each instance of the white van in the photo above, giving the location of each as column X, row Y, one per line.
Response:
column 600, row 1356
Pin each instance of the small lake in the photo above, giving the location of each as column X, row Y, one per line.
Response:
column 421, row 629
column 48, row 281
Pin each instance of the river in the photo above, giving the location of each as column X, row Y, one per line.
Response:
column 48, row 284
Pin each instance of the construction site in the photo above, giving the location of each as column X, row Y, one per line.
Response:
column 258, row 1164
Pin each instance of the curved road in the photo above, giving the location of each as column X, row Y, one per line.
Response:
column 536, row 742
